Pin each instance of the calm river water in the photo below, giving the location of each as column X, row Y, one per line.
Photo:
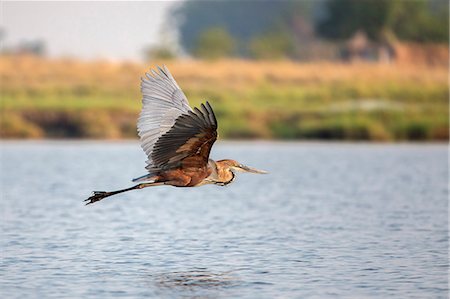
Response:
column 329, row 221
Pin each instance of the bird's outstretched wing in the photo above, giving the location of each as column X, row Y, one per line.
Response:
column 162, row 102
column 169, row 129
column 189, row 141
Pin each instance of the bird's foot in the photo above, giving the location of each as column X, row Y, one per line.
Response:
column 97, row 196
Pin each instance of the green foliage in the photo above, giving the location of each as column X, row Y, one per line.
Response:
column 422, row 21
column 244, row 20
column 159, row 52
column 271, row 46
column 414, row 20
column 329, row 127
column 301, row 24
column 279, row 100
column 345, row 17
column 214, row 43
column 67, row 123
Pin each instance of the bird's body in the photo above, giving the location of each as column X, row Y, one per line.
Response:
column 211, row 173
column 177, row 140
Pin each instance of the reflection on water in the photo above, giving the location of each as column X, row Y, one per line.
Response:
column 198, row 278
column 195, row 283
column 330, row 220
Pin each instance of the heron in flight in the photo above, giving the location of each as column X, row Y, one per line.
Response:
column 177, row 140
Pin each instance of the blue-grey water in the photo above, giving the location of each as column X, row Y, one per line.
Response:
column 329, row 221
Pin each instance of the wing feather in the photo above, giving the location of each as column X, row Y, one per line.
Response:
column 192, row 136
column 162, row 103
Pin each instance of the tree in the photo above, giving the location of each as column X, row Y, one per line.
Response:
column 415, row 20
column 159, row 52
column 214, row 43
column 243, row 21
column 345, row 17
column 422, row 21
column 274, row 45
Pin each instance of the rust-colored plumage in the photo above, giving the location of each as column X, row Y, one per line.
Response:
column 177, row 140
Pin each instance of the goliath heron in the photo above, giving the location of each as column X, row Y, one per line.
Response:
column 177, row 140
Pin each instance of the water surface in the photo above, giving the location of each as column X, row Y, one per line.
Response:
column 329, row 221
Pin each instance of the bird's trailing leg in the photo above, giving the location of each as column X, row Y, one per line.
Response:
column 99, row 195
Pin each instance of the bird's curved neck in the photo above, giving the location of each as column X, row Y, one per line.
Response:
column 224, row 173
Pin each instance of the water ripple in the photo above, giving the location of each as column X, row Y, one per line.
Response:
column 340, row 221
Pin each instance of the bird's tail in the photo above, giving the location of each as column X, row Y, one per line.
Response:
column 146, row 177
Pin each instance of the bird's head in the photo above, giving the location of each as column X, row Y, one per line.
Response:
column 236, row 166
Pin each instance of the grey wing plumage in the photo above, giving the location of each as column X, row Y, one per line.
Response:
column 188, row 143
column 162, row 103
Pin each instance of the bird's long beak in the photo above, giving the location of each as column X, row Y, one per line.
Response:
column 250, row 169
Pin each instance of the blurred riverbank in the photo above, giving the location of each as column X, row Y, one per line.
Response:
column 66, row 98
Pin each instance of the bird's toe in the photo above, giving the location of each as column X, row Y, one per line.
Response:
column 96, row 196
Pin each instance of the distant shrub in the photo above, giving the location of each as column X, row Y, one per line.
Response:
column 97, row 124
column 417, row 131
column 440, row 133
column 326, row 130
column 159, row 53
column 214, row 43
column 14, row 126
column 271, row 46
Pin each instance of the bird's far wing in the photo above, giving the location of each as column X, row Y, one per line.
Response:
column 162, row 103
column 188, row 143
